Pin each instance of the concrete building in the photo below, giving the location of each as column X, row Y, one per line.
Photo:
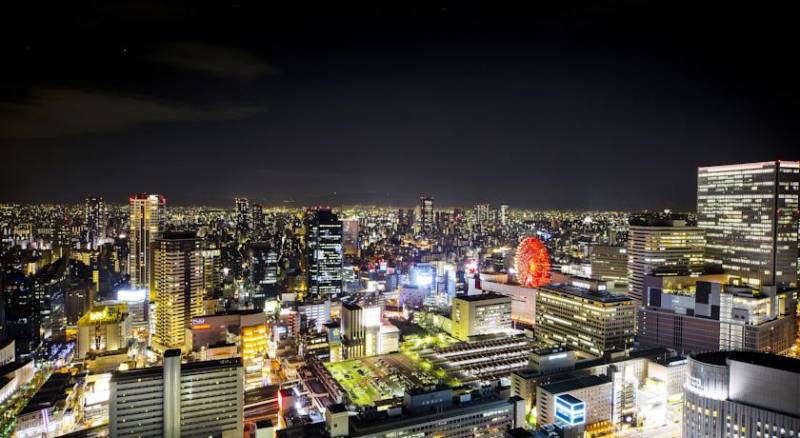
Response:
column 748, row 212
column 609, row 263
column 104, row 328
column 196, row 399
column 478, row 315
column 667, row 246
column 695, row 314
column 584, row 317
column 595, row 391
column 147, row 219
column 523, row 299
column 741, row 394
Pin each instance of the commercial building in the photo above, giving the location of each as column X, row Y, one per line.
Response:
column 584, row 316
column 178, row 287
column 667, row 246
column 609, row 263
column 263, row 273
column 244, row 220
column 741, row 394
column 324, row 249
column 748, row 212
column 350, row 240
column 426, row 214
column 595, row 392
column 360, row 330
column 96, row 219
column 478, row 315
column 104, row 328
column 196, row 399
column 147, row 219
column 707, row 313
column 523, row 299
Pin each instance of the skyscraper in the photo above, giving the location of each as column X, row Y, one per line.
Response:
column 95, row 220
column 665, row 246
column 503, row 214
column 426, row 213
column 750, row 215
column 263, row 273
column 350, row 236
column 324, row 249
column 178, row 286
column 243, row 218
column 147, row 219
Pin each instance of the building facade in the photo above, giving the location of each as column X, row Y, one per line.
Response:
column 147, row 219
column 478, row 315
column 324, row 249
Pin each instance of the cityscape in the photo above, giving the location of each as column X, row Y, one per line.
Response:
column 352, row 293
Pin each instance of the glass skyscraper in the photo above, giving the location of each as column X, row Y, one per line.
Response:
column 750, row 214
column 324, row 247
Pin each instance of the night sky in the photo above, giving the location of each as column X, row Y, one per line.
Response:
column 596, row 105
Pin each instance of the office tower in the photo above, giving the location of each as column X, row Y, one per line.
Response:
column 23, row 320
column 609, row 263
column 741, row 394
column 258, row 216
column 426, row 214
column 360, row 330
column 503, row 212
column 104, row 328
column 405, row 220
column 178, row 286
column 583, row 316
column 749, row 213
column 324, row 249
column 212, row 268
column 243, row 217
column 263, row 273
column 79, row 299
column 481, row 215
column 663, row 246
column 706, row 313
column 196, row 399
column 350, row 236
column 476, row 315
column 96, row 220
column 147, row 220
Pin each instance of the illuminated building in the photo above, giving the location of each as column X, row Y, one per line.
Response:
column 435, row 412
column 137, row 302
column 178, row 400
column 258, row 216
column 523, row 299
column 426, row 214
column 609, row 263
column 595, row 392
column 212, row 268
column 749, row 213
column 477, row 315
column 693, row 314
column 360, row 332
column 178, row 287
column 670, row 247
column 46, row 411
column 503, row 214
column 350, row 241
column 147, row 219
column 23, row 320
column 79, row 299
column 532, row 263
column 96, row 219
column 315, row 314
column 324, row 249
column 741, row 394
column 585, row 317
column 104, row 328
column 244, row 219
column 263, row 273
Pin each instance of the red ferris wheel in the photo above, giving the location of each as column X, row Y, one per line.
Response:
column 532, row 263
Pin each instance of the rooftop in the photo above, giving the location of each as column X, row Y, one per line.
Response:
column 482, row 297
column 603, row 297
column 576, row 383
column 767, row 360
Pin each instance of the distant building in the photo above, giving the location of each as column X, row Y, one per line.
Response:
column 324, row 249
column 263, row 273
column 668, row 246
column 244, row 220
column 477, row 315
column 609, row 263
column 350, row 241
column 178, row 400
column 744, row 394
column 749, row 214
column 96, row 219
column 585, row 317
column 147, row 219
column 104, row 328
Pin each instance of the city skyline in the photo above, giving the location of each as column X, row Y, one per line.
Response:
column 587, row 106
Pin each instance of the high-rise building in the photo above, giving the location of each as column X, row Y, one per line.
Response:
column 360, row 330
column 426, row 214
column 96, row 220
column 324, row 249
column 665, row 246
column 104, row 328
column 196, row 399
column 258, row 216
column 263, row 273
column 484, row 314
column 503, row 212
column 749, row 213
column 609, row 263
column 741, row 394
column 350, row 236
column 244, row 219
column 178, row 286
column 147, row 220
column 212, row 268
column 585, row 317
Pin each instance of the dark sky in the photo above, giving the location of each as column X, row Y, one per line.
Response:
column 607, row 105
